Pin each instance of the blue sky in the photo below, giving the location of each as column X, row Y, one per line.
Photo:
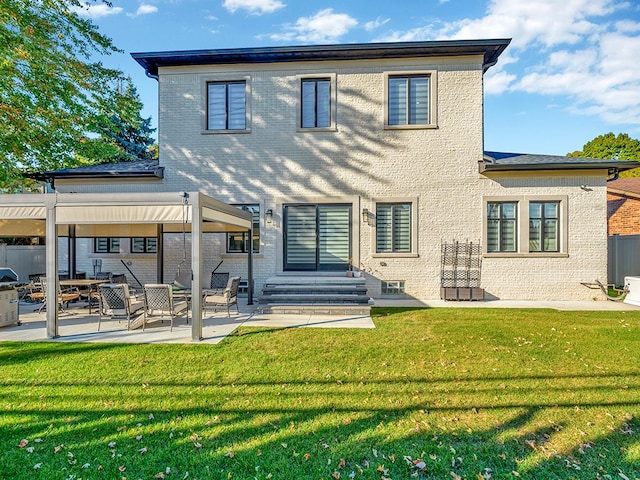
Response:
column 572, row 71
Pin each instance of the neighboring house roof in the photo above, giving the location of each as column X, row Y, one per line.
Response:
column 508, row 162
column 136, row 169
column 629, row 187
column 490, row 49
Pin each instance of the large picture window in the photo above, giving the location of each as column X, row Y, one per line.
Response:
column 501, row 226
column 408, row 100
column 226, row 105
column 393, row 228
column 239, row 242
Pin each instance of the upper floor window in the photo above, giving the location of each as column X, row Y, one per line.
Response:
column 226, row 105
column 239, row 242
column 316, row 103
column 393, row 228
column 408, row 100
column 543, row 226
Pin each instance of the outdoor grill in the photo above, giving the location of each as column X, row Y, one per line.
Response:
column 8, row 297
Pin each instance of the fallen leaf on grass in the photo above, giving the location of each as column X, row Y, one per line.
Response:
column 342, row 463
column 111, row 444
column 37, row 466
column 23, row 443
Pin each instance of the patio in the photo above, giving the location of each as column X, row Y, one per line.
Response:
column 77, row 325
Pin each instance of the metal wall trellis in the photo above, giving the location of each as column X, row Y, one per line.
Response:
column 461, row 266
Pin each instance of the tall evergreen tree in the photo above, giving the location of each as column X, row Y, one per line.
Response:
column 119, row 131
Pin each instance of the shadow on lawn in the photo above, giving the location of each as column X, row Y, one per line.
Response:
column 227, row 431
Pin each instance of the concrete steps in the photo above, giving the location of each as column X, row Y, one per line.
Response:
column 323, row 294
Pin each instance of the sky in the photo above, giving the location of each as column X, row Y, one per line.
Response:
column 571, row 72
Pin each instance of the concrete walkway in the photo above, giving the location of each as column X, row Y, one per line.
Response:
column 79, row 326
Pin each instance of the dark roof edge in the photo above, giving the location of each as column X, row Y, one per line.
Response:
column 491, row 164
column 489, row 48
column 157, row 172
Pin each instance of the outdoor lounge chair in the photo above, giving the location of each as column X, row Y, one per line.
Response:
column 228, row 297
column 160, row 302
column 116, row 301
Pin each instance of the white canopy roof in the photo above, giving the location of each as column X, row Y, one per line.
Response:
column 120, row 214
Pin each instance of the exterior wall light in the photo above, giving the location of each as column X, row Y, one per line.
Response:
column 268, row 216
column 365, row 216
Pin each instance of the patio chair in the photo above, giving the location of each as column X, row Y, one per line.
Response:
column 34, row 290
column 64, row 296
column 160, row 302
column 228, row 297
column 115, row 300
column 219, row 281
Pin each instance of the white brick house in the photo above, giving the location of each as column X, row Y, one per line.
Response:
column 370, row 155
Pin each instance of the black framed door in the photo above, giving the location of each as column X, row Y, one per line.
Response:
column 317, row 237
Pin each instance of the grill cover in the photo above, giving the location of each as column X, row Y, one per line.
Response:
column 7, row 275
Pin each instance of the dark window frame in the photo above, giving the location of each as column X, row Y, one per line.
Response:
column 394, row 247
column 410, row 100
column 244, row 235
column 315, row 81
column 226, row 83
column 147, row 248
column 502, row 222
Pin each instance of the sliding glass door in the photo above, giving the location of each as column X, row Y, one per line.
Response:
column 317, row 237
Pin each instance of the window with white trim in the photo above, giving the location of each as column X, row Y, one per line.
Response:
column 226, row 105
column 393, row 228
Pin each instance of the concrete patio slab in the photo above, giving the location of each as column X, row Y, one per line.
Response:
column 80, row 326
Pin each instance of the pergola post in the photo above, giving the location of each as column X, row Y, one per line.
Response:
column 250, row 268
column 196, row 268
column 52, row 269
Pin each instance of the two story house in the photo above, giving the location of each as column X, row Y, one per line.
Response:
column 367, row 157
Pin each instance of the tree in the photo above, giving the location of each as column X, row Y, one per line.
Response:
column 122, row 134
column 609, row 146
column 50, row 84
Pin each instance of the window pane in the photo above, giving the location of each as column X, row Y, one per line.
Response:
column 419, row 95
column 239, row 242
column 551, row 210
column 383, row 228
column 397, row 101
column 137, row 245
column 508, row 236
column 237, row 110
column 308, row 104
column 493, row 235
column 551, row 235
column 323, row 103
column 152, row 245
column 535, row 235
column 217, row 107
column 235, row 242
column 402, row 228
column 101, row 245
column 114, row 245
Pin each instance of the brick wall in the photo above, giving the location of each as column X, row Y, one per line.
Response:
column 360, row 161
column 624, row 214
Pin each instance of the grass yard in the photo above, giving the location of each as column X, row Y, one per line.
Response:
column 429, row 394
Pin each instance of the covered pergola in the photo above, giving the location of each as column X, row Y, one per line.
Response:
column 77, row 215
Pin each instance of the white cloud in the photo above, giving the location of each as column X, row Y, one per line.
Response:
column 143, row 9
column 573, row 49
column 96, row 11
column 323, row 27
column 375, row 24
column 255, row 7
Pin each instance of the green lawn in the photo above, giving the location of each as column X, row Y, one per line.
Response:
column 438, row 394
